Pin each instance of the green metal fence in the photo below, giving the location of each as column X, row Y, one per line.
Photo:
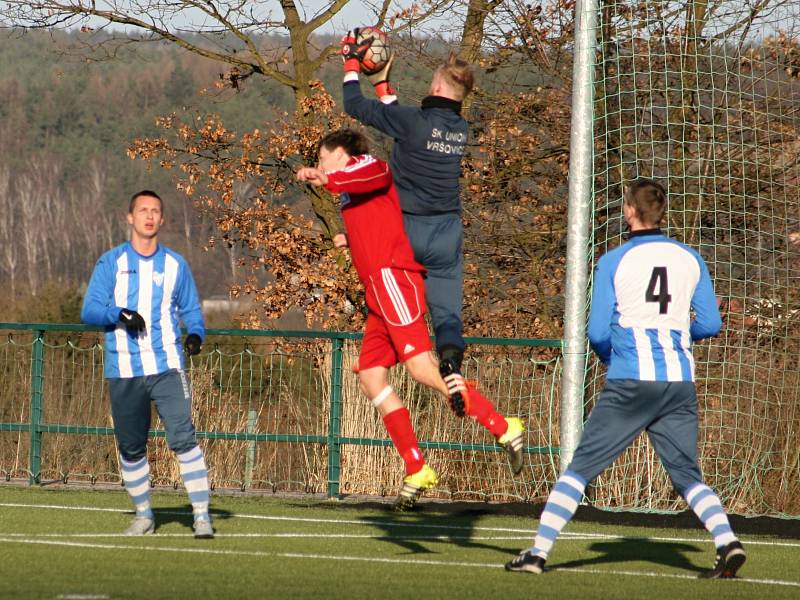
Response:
column 277, row 410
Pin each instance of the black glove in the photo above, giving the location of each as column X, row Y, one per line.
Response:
column 133, row 321
column 192, row 344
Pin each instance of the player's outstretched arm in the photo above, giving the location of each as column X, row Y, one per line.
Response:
column 392, row 119
column 385, row 115
column 188, row 303
column 98, row 304
column 367, row 175
column 599, row 327
column 707, row 320
column 312, row 175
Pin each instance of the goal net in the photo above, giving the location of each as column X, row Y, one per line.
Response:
column 704, row 97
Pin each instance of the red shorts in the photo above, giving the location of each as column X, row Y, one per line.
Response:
column 396, row 328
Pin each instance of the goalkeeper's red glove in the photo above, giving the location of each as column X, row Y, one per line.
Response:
column 380, row 80
column 353, row 51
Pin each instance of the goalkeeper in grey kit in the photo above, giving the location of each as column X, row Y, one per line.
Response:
column 426, row 166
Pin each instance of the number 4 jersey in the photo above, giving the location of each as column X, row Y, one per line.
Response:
column 651, row 298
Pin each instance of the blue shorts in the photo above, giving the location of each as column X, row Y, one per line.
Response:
column 625, row 408
column 130, row 408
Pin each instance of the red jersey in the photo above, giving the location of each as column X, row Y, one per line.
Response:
column 372, row 217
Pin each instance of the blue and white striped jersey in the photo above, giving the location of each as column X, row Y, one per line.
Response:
column 640, row 323
column 161, row 289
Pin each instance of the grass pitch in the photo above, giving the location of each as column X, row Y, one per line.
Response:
column 67, row 544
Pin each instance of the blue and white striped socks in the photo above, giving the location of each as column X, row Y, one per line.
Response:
column 560, row 507
column 706, row 505
column 195, row 478
column 136, row 476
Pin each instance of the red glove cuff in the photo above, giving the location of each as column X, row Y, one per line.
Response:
column 384, row 88
column 352, row 64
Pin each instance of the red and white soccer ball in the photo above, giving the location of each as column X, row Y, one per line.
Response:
column 379, row 52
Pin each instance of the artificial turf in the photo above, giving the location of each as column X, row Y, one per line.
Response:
column 65, row 543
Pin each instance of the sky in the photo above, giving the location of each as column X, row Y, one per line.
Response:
column 356, row 13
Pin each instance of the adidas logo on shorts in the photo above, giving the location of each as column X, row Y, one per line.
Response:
column 408, row 348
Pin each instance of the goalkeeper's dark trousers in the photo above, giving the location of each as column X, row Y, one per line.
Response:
column 437, row 240
column 667, row 411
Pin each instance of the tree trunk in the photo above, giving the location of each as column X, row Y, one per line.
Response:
column 472, row 34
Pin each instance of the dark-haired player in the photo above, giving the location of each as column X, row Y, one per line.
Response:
column 395, row 329
column 139, row 291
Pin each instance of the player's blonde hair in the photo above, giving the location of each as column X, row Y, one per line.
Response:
column 458, row 74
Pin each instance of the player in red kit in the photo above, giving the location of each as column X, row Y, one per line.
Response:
column 396, row 330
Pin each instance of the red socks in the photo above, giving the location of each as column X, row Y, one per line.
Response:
column 398, row 424
column 483, row 410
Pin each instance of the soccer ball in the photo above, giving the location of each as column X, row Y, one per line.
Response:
column 378, row 53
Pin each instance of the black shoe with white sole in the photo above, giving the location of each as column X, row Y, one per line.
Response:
column 526, row 562
column 729, row 559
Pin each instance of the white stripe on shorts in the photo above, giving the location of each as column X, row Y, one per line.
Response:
column 390, row 283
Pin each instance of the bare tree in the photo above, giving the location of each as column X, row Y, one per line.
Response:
column 472, row 36
column 250, row 38
column 232, row 33
column 9, row 242
column 245, row 38
column 27, row 196
column 52, row 227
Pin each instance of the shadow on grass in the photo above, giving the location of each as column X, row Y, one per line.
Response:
column 429, row 522
column 183, row 515
column 624, row 550
column 414, row 532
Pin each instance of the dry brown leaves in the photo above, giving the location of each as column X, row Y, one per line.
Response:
column 515, row 213
column 246, row 183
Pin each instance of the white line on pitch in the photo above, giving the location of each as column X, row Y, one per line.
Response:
column 281, row 518
column 365, row 536
column 372, row 559
column 400, row 524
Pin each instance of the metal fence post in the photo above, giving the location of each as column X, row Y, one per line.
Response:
column 335, row 421
column 578, row 229
column 250, row 459
column 37, row 395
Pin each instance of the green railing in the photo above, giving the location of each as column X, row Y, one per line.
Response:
column 249, row 387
